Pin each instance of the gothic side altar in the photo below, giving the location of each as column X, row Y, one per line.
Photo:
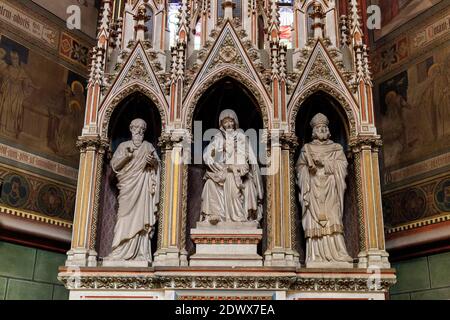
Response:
column 240, row 170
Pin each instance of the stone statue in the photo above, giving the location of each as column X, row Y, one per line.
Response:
column 321, row 173
column 233, row 191
column 137, row 166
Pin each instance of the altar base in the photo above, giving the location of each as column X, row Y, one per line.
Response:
column 227, row 244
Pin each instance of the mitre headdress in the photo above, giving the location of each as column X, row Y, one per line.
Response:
column 319, row 119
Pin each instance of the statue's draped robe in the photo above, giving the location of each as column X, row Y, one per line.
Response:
column 138, row 185
column 322, row 200
column 233, row 190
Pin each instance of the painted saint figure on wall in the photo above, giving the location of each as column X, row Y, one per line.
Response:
column 415, row 112
column 321, row 173
column 137, row 166
column 233, row 191
column 42, row 103
column 433, row 95
column 16, row 86
column 65, row 126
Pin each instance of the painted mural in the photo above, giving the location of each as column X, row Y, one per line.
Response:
column 415, row 108
column 31, row 193
column 395, row 13
column 41, row 103
column 422, row 201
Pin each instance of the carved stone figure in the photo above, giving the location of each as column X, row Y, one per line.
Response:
column 137, row 166
column 233, row 191
column 321, row 173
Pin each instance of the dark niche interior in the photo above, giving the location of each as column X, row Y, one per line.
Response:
column 224, row 94
column 134, row 106
column 321, row 102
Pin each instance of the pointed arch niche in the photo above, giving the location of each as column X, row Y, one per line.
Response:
column 135, row 105
column 226, row 93
column 322, row 102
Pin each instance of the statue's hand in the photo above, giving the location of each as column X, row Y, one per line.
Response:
column 151, row 160
column 318, row 162
column 130, row 152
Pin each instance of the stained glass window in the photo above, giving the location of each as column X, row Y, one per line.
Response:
column 198, row 35
column 149, row 24
column 286, row 22
column 174, row 8
column 310, row 22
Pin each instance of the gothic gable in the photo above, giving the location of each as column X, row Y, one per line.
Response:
column 320, row 68
column 137, row 70
column 227, row 51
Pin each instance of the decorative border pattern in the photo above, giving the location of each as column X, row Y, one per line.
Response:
column 401, row 50
column 162, row 200
column 417, row 169
column 335, row 283
column 202, row 239
column 360, row 204
column 293, row 199
column 38, row 162
column 48, row 41
column 33, row 193
column 35, row 217
column 418, row 224
column 74, row 51
column 416, row 205
column 26, row 22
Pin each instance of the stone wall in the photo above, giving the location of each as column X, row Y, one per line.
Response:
column 30, row 274
column 425, row 278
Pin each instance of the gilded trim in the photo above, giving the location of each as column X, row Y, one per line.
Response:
column 419, row 223
column 35, row 217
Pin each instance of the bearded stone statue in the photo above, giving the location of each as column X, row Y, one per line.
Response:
column 137, row 167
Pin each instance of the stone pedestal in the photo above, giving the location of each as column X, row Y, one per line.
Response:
column 81, row 258
column 329, row 265
column 125, row 263
column 227, row 244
